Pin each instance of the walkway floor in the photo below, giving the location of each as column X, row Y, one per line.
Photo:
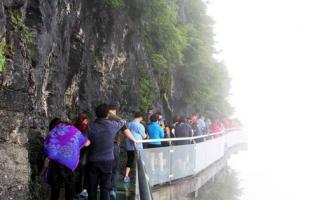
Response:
column 125, row 192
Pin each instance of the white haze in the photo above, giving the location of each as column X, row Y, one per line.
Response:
column 271, row 50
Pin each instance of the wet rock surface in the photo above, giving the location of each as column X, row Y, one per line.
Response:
column 62, row 57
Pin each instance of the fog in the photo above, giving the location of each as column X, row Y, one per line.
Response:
column 270, row 48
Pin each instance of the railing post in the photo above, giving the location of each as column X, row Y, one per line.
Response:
column 171, row 151
column 195, row 157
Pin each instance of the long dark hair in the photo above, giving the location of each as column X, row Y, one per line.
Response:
column 54, row 122
column 154, row 118
column 79, row 122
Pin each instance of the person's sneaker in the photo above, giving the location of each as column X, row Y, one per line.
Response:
column 112, row 194
column 126, row 179
column 84, row 194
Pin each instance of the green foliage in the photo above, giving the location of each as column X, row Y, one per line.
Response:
column 27, row 36
column 114, row 3
column 165, row 39
column 145, row 94
column 188, row 41
column 206, row 79
column 3, row 50
column 146, row 91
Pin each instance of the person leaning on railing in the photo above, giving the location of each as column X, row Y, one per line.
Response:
column 139, row 133
column 100, row 155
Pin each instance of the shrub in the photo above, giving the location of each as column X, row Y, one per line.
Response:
column 3, row 49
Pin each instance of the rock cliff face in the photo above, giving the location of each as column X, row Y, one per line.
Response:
column 62, row 56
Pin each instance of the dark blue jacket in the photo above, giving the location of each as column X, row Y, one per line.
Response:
column 183, row 130
column 102, row 136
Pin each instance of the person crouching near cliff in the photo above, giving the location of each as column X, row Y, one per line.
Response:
column 62, row 147
column 81, row 124
column 102, row 134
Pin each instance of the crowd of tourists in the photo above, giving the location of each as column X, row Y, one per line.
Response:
column 83, row 157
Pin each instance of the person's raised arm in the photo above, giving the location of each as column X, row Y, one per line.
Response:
column 114, row 117
column 120, row 123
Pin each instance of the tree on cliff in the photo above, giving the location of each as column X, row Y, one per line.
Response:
column 187, row 40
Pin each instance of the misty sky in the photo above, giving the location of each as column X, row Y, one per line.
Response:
column 271, row 50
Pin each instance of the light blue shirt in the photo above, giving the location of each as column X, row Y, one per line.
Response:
column 155, row 132
column 201, row 125
column 138, row 131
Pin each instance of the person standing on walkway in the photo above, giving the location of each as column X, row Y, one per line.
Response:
column 155, row 132
column 102, row 134
column 183, row 129
column 164, row 125
column 62, row 147
column 139, row 133
column 195, row 127
column 112, row 115
column 81, row 124
column 202, row 125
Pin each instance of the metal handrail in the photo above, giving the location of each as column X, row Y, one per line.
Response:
column 147, row 181
column 186, row 138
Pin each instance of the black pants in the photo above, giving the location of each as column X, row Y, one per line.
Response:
column 99, row 173
column 80, row 178
column 115, row 169
column 62, row 176
column 130, row 159
column 81, row 172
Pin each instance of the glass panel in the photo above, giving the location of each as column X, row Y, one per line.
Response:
column 234, row 138
column 200, row 156
column 182, row 161
column 157, row 164
column 215, row 149
column 170, row 163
